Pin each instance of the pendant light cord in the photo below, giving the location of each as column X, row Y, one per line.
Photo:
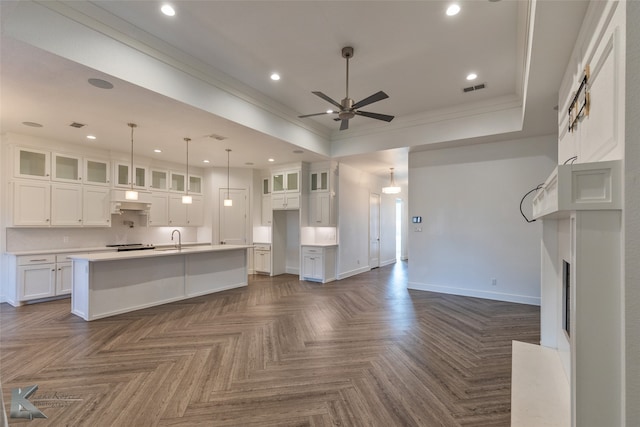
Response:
column 186, row 178
column 132, row 126
column 228, row 151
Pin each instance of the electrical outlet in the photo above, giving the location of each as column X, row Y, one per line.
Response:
column 494, row 282
column 65, row 239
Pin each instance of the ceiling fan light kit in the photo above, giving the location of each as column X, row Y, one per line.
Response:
column 347, row 109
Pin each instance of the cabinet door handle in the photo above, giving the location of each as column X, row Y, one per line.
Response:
column 37, row 260
column 47, row 220
column 79, row 220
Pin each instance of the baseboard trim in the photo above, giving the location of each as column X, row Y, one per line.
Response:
column 498, row 296
column 353, row 272
column 387, row 262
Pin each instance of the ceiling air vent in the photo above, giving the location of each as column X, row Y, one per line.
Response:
column 474, row 88
column 217, row 137
column 77, row 125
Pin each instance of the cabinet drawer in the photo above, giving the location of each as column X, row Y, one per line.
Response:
column 36, row 259
column 262, row 247
column 62, row 258
column 312, row 251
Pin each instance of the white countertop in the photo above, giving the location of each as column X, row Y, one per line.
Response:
column 94, row 249
column 149, row 253
column 320, row 245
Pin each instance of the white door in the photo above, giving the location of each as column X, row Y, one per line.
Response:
column 233, row 219
column 374, row 230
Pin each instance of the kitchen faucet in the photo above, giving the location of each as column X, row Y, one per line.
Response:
column 179, row 245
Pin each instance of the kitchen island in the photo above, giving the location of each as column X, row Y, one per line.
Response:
column 107, row 284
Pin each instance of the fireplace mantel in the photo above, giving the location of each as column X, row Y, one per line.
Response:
column 580, row 187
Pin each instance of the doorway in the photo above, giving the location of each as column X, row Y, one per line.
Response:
column 374, row 230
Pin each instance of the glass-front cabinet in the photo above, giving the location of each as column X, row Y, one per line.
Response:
column 319, row 181
column 159, row 180
column 32, row 163
column 285, row 181
column 177, row 182
column 123, row 178
column 96, row 172
column 66, row 168
column 195, row 184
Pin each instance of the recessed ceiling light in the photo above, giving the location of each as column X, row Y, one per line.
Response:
column 271, row 160
column 101, row 84
column 275, row 76
column 32, row 124
column 157, row 150
column 206, row 161
column 472, row 76
column 453, row 10
column 91, row 137
column 168, row 10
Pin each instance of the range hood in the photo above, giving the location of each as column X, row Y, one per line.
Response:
column 119, row 203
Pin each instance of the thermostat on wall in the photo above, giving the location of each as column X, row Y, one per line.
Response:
column 416, row 219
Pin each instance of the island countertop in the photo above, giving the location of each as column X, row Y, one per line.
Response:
column 150, row 253
column 107, row 284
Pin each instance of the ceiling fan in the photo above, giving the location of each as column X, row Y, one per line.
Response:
column 347, row 108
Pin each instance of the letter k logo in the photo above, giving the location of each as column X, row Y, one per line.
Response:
column 20, row 405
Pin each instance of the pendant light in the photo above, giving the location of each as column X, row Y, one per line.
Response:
column 131, row 194
column 392, row 188
column 228, row 201
column 187, row 199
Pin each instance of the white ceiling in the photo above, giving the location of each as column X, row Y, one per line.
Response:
column 409, row 49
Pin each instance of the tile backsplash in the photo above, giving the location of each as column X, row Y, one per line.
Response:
column 121, row 231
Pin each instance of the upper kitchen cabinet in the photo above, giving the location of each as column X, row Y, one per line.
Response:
column 31, row 203
column 32, row 163
column 177, row 182
column 195, row 184
column 286, row 181
column 96, row 172
column 159, row 180
column 123, row 177
column 67, row 168
column 319, row 181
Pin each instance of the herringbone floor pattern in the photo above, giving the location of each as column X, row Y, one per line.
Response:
column 363, row 351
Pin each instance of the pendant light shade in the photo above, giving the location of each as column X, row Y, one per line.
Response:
column 187, row 199
column 227, row 200
column 131, row 194
column 392, row 188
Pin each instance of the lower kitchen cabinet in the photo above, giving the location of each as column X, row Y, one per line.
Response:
column 319, row 263
column 262, row 259
column 33, row 277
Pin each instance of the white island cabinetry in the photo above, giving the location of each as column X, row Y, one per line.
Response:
column 110, row 284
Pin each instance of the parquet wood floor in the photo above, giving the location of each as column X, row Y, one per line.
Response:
column 363, row 351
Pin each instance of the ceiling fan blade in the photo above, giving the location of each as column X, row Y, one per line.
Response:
column 326, row 98
column 378, row 116
column 344, row 125
column 311, row 115
column 379, row 96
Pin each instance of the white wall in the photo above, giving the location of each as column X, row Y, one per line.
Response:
column 632, row 215
column 353, row 221
column 472, row 230
column 216, row 179
column 388, row 229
